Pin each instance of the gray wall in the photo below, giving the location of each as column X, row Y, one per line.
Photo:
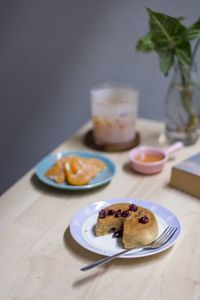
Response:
column 52, row 53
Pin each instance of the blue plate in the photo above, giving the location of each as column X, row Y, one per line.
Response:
column 103, row 177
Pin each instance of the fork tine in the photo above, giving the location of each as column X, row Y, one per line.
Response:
column 162, row 234
column 169, row 236
column 167, row 233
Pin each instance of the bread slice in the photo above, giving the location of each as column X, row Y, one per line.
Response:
column 138, row 224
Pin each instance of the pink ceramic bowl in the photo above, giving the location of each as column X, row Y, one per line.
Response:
column 149, row 159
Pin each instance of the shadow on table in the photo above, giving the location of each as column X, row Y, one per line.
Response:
column 127, row 168
column 89, row 257
column 55, row 191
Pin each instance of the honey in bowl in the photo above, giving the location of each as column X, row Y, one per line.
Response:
column 149, row 157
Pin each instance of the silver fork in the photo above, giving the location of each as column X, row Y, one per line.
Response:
column 160, row 241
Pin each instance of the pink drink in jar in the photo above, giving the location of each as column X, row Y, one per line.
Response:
column 114, row 114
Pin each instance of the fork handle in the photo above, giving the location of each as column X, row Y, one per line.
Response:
column 104, row 260
column 109, row 258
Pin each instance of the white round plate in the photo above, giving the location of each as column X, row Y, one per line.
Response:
column 83, row 223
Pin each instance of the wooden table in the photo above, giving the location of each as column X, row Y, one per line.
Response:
column 40, row 260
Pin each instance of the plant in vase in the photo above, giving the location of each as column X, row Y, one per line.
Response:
column 173, row 42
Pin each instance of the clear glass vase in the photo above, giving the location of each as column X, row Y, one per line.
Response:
column 182, row 107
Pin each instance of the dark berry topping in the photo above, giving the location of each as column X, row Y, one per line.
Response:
column 102, row 213
column 117, row 234
column 144, row 220
column 133, row 207
column 125, row 213
column 113, row 229
column 111, row 212
column 118, row 213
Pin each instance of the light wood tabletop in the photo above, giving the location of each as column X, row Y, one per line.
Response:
column 39, row 259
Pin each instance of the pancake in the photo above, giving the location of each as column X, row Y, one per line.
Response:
column 138, row 225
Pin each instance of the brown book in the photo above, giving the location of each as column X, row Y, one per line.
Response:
column 185, row 176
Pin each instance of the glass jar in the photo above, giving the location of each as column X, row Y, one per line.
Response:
column 182, row 107
column 114, row 114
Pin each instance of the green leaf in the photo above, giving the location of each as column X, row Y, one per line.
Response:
column 183, row 55
column 166, row 35
column 145, row 44
column 166, row 59
column 165, row 30
column 180, row 18
column 192, row 32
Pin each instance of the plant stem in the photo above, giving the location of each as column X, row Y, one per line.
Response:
column 186, row 94
column 186, row 97
column 194, row 53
